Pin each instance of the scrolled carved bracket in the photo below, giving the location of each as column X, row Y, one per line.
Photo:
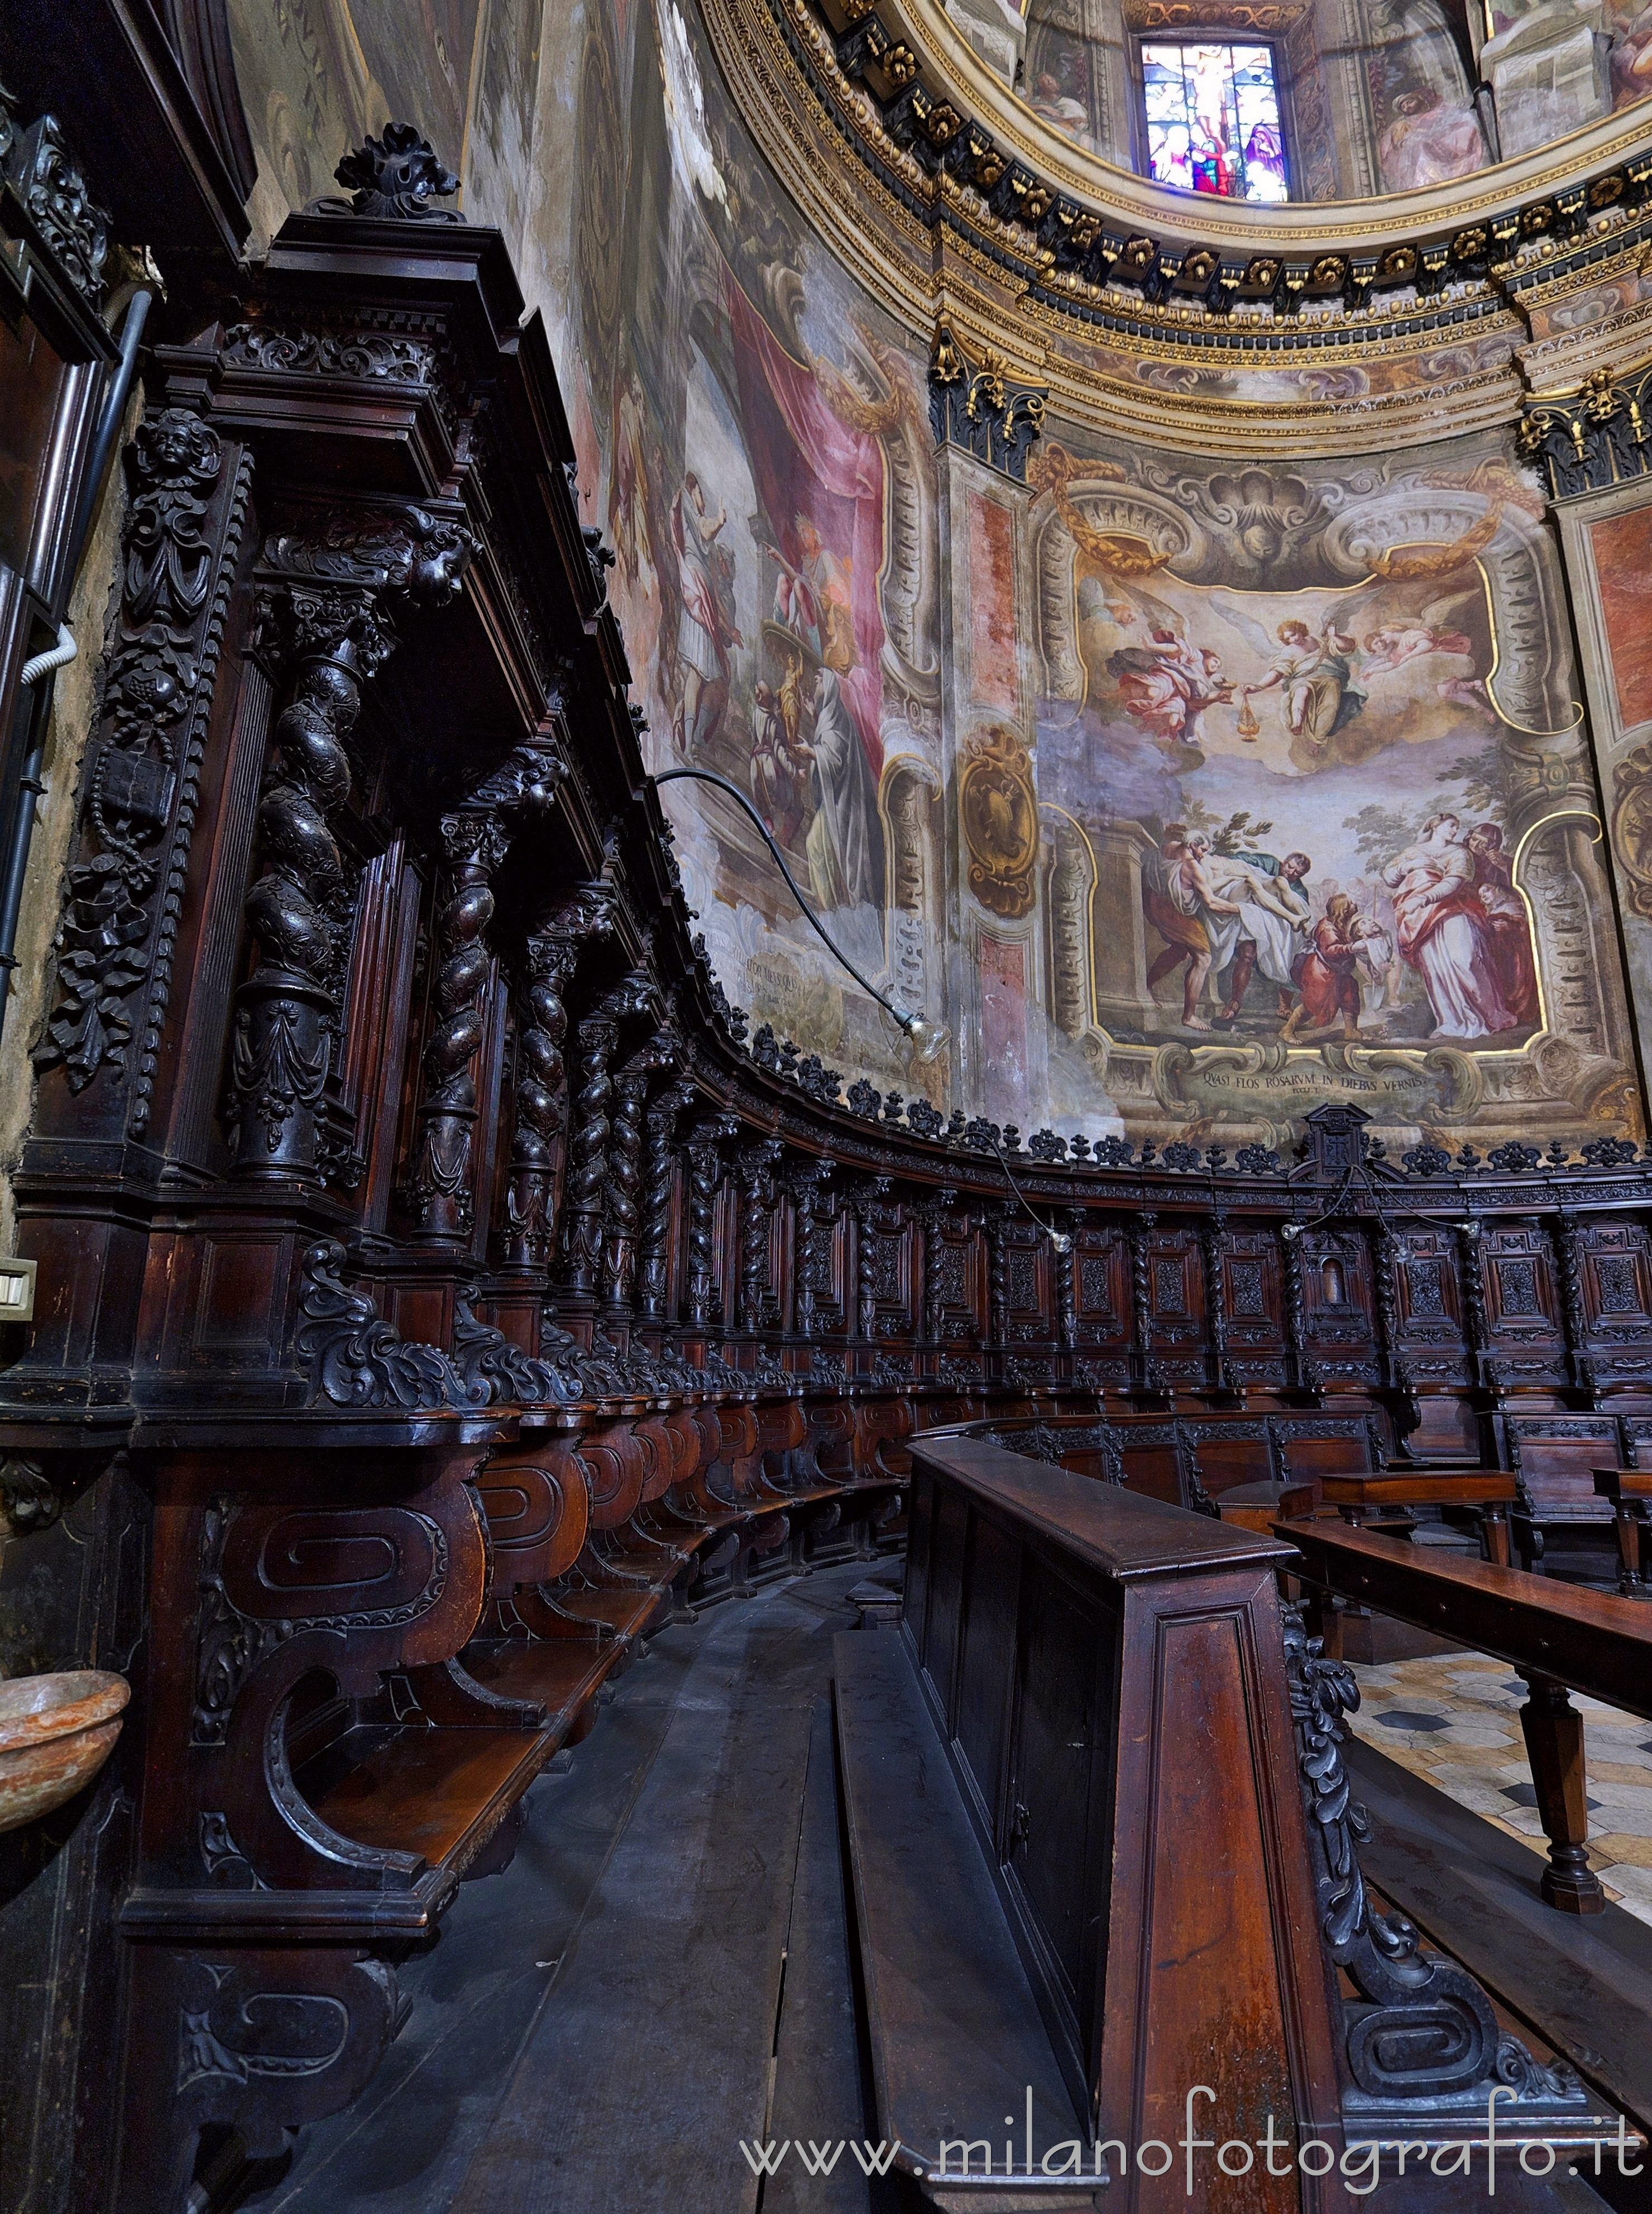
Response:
column 1426, row 2035
column 356, row 1358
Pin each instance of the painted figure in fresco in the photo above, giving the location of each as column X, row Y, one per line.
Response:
column 1446, row 934
column 1059, row 107
column 779, row 768
column 1511, row 936
column 1273, row 911
column 1428, row 141
column 1327, row 975
column 1251, row 919
column 1167, row 685
column 1631, row 58
column 812, row 598
column 1317, row 676
column 845, row 845
column 629, row 491
column 1171, row 906
column 1392, row 646
column 706, row 629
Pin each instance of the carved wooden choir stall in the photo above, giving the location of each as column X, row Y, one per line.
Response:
column 439, row 1287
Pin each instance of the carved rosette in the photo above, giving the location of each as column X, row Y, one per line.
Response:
column 325, row 599
column 542, row 1024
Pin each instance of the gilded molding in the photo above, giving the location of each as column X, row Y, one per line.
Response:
column 1353, row 347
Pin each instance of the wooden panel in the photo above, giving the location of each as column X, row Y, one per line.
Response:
column 1190, row 2025
column 987, row 1659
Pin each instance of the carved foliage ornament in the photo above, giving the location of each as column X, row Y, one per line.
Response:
column 1595, row 439
column 37, row 165
column 976, row 407
column 394, row 180
column 998, row 805
column 356, row 1358
column 178, row 543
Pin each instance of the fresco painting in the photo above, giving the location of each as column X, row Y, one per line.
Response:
column 1284, row 717
column 1227, row 795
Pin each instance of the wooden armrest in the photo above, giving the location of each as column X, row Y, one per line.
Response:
column 1259, row 1505
column 1621, row 1484
column 1435, row 1488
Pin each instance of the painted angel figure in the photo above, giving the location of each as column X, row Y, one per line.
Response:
column 1315, row 671
column 1408, row 638
column 1167, row 684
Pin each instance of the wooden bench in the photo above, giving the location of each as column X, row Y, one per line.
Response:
column 1078, row 1815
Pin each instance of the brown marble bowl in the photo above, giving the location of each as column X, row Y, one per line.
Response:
column 56, row 1731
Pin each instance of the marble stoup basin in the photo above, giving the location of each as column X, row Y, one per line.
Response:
column 56, row 1731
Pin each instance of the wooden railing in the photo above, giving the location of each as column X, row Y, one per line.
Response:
column 1554, row 1636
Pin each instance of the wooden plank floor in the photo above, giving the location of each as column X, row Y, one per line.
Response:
column 663, row 1971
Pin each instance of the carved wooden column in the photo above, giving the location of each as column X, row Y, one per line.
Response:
column 932, row 1214
column 654, row 1242
column 812, row 1214
column 864, row 1201
column 325, row 600
column 1213, row 1241
column 543, row 1023
column 758, row 1196
column 1562, row 1234
column 584, row 1193
column 1474, row 1316
column 1141, row 1361
column 1302, row 1373
column 475, row 840
column 1066, row 1285
column 625, row 1166
column 705, row 1172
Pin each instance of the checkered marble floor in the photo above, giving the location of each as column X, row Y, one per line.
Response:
column 1455, row 1721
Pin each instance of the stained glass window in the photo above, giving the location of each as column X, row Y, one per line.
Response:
column 1213, row 120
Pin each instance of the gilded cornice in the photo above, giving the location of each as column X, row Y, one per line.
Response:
column 951, row 67
column 1358, row 349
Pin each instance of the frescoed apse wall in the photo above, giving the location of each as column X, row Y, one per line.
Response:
column 1187, row 793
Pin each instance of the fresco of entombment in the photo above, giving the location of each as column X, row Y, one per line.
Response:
column 1316, row 777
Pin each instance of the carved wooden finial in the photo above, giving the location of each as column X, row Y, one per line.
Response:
column 394, row 180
